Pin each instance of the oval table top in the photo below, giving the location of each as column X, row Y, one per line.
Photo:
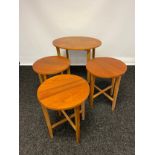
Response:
column 51, row 65
column 77, row 43
column 106, row 67
column 63, row 92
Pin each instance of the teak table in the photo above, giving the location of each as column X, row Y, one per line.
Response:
column 104, row 67
column 50, row 65
column 77, row 43
column 64, row 92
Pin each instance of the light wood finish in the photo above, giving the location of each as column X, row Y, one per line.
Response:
column 67, row 54
column 40, row 78
column 113, row 85
column 77, row 123
column 92, row 83
column 88, row 58
column 118, row 79
column 51, row 65
column 58, row 51
column 47, row 119
column 77, row 43
column 83, row 110
column 64, row 92
column 93, row 54
column 105, row 67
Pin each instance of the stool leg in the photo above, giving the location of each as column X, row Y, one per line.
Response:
column 88, row 58
column 83, row 110
column 40, row 78
column 92, row 83
column 67, row 54
column 93, row 54
column 68, row 71
column 44, row 77
column 116, row 88
column 77, row 123
column 113, row 85
column 47, row 119
column 58, row 51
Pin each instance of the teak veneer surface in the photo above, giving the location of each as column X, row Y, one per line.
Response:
column 105, row 67
column 77, row 43
column 63, row 92
column 51, row 65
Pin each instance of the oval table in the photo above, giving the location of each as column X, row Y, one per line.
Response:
column 78, row 43
column 106, row 67
column 64, row 92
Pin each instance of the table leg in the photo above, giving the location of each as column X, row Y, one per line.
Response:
column 115, row 93
column 92, row 83
column 67, row 54
column 113, row 85
column 88, row 58
column 47, row 119
column 77, row 123
column 93, row 54
column 40, row 78
column 58, row 51
column 83, row 110
column 68, row 71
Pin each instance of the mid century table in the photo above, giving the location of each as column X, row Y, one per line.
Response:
column 105, row 67
column 77, row 43
column 60, row 93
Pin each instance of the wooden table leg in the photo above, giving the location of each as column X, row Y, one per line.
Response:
column 77, row 123
column 40, row 78
column 92, row 83
column 47, row 119
column 58, row 51
column 93, row 54
column 113, row 85
column 88, row 58
column 115, row 93
column 68, row 71
column 67, row 54
column 44, row 77
column 83, row 110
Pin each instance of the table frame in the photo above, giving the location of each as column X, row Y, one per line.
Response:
column 75, row 126
column 114, row 88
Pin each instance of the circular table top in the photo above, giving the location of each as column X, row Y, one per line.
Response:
column 105, row 67
column 63, row 92
column 77, row 43
column 51, row 65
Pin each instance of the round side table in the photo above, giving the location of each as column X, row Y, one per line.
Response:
column 78, row 43
column 64, row 92
column 105, row 67
column 51, row 65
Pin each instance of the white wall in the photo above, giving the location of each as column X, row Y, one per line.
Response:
column 42, row 21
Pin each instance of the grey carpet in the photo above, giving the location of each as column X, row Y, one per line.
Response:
column 102, row 132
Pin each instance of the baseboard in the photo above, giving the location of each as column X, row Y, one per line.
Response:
column 127, row 60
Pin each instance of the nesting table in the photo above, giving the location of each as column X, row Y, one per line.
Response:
column 105, row 67
column 60, row 93
column 77, row 43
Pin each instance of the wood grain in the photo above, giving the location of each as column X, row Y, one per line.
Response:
column 63, row 92
column 51, row 65
column 77, row 43
column 105, row 67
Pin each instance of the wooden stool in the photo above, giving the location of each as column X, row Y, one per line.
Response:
column 51, row 65
column 105, row 67
column 64, row 92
